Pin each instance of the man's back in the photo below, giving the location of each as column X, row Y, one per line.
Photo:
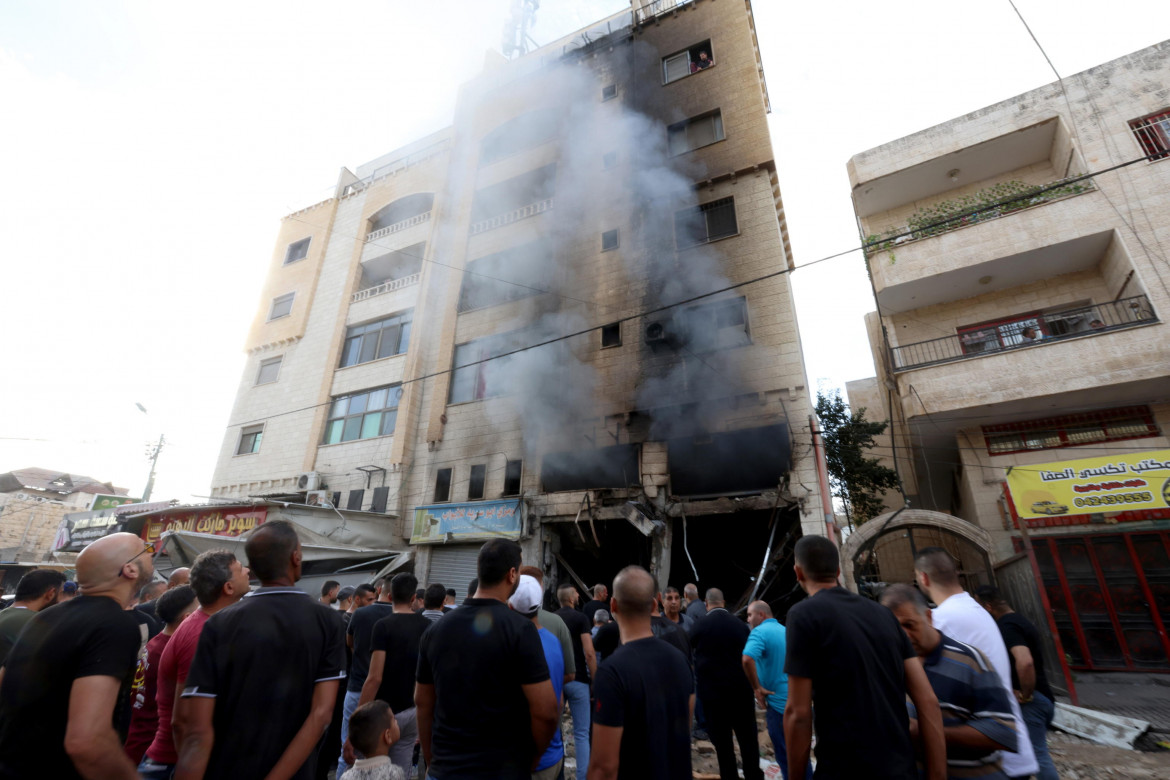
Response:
column 260, row 659
column 578, row 625
column 767, row 646
column 361, row 628
column 718, row 641
column 398, row 635
column 854, row 652
column 644, row 688
column 696, row 609
column 173, row 666
column 591, row 608
column 478, row 657
column 87, row 636
column 12, row 621
column 1018, row 630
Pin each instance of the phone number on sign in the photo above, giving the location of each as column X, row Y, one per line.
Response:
column 1116, row 498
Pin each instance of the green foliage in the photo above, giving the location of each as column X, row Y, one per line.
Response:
column 857, row 480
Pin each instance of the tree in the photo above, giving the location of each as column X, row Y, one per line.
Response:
column 857, row 480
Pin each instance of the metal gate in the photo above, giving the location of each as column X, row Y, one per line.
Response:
column 454, row 567
column 1110, row 597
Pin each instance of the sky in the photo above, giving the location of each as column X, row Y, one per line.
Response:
column 149, row 151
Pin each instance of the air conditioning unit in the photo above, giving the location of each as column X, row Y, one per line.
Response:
column 659, row 334
column 310, row 480
column 318, row 498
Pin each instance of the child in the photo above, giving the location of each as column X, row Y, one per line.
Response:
column 372, row 730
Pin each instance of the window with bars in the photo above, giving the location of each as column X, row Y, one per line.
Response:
column 1153, row 134
column 684, row 63
column 704, row 223
column 250, row 440
column 376, row 340
column 363, row 415
column 1132, row 422
column 695, row 132
column 297, row 250
column 281, row 306
column 269, row 370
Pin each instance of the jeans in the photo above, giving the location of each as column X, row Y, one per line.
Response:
column 1037, row 717
column 775, row 721
column 577, row 694
column 152, row 770
column 402, row 751
column 351, row 701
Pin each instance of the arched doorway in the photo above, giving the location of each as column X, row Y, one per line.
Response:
column 882, row 550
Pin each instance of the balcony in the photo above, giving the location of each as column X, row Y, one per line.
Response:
column 524, row 212
column 1026, row 331
column 418, row 219
column 385, row 287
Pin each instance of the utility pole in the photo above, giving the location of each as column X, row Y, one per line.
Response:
column 152, row 453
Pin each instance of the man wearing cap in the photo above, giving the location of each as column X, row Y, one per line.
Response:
column 526, row 600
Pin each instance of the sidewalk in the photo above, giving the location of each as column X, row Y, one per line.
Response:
column 1133, row 695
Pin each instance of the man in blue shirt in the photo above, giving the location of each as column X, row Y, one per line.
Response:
column 526, row 601
column 763, row 663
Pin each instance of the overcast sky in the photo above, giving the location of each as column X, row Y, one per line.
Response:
column 150, row 149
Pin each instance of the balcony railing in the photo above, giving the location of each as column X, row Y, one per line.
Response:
column 531, row 210
column 991, row 203
column 385, row 287
column 417, row 219
column 651, row 9
column 1026, row 331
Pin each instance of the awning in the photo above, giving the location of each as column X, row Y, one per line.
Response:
column 184, row 546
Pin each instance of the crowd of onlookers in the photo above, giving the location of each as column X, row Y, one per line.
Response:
column 205, row 676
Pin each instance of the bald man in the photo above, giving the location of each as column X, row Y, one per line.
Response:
column 180, row 576
column 63, row 678
column 642, row 719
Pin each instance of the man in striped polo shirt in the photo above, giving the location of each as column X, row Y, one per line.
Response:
column 977, row 716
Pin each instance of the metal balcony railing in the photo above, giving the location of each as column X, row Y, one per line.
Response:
column 385, row 287
column 651, row 9
column 1025, row 331
column 417, row 219
column 531, row 210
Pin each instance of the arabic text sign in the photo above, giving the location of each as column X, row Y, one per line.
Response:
column 222, row 522
column 1117, row 483
column 107, row 501
column 468, row 522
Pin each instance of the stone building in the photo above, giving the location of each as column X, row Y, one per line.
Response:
column 1019, row 260
column 548, row 322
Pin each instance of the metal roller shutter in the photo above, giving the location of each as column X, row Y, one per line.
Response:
column 454, row 567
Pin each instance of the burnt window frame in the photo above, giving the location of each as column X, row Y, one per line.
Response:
column 443, row 479
column 300, row 248
column 614, row 328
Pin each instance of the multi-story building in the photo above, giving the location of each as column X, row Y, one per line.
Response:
column 1019, row 260
column 566, row 319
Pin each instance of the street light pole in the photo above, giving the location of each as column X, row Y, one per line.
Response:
column 153, row 454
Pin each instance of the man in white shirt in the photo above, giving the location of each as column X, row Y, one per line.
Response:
column 960, row 617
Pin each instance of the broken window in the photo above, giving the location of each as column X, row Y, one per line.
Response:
column 517, row 134
column 269, row 370
column 704, row 223
column 442, row 486
column 605, row 467
column 281, row 306
column 611, row 335
column 401, row 210
column 745, row 461
column 718, row 325
column 476, row 484
column 609, row 240
column 250, row 440
column 684, row 63
column 363, row 415
column 515, row 273
column 512, row 472
column 696, row 132
column 297, row 250
column 376, row 340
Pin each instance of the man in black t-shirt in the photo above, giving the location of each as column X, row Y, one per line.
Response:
column 642, row 719
column 849, row 657
column 577, row 689
column 358, row 634
column 600, row 601
column 63, row 679
column 393, row 662
column 486, row 705
column 264, row 679
column 1029, row 681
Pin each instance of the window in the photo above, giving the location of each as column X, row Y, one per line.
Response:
column 705, row 223
column 718, row 325
column 1153, row 133
column 363, row 415
column 1132, row 422
column 611, row 335
column 609, row 91
column 478, row 372
column 609, row 160
column 281, row 307
column 515, row 273
column 609, row 240
column 376, row 340
column 478, row 478
column 297, row 250
column 355, row 500
column 694, row 133
column 684, row 63
column 512, row 472
column 269, row 370
column 442, row 486
column 250, row 440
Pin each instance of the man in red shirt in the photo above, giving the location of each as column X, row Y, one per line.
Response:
column 219, row 580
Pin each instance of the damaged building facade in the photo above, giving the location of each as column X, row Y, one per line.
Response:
column 1019, row 262
column 565, row 320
